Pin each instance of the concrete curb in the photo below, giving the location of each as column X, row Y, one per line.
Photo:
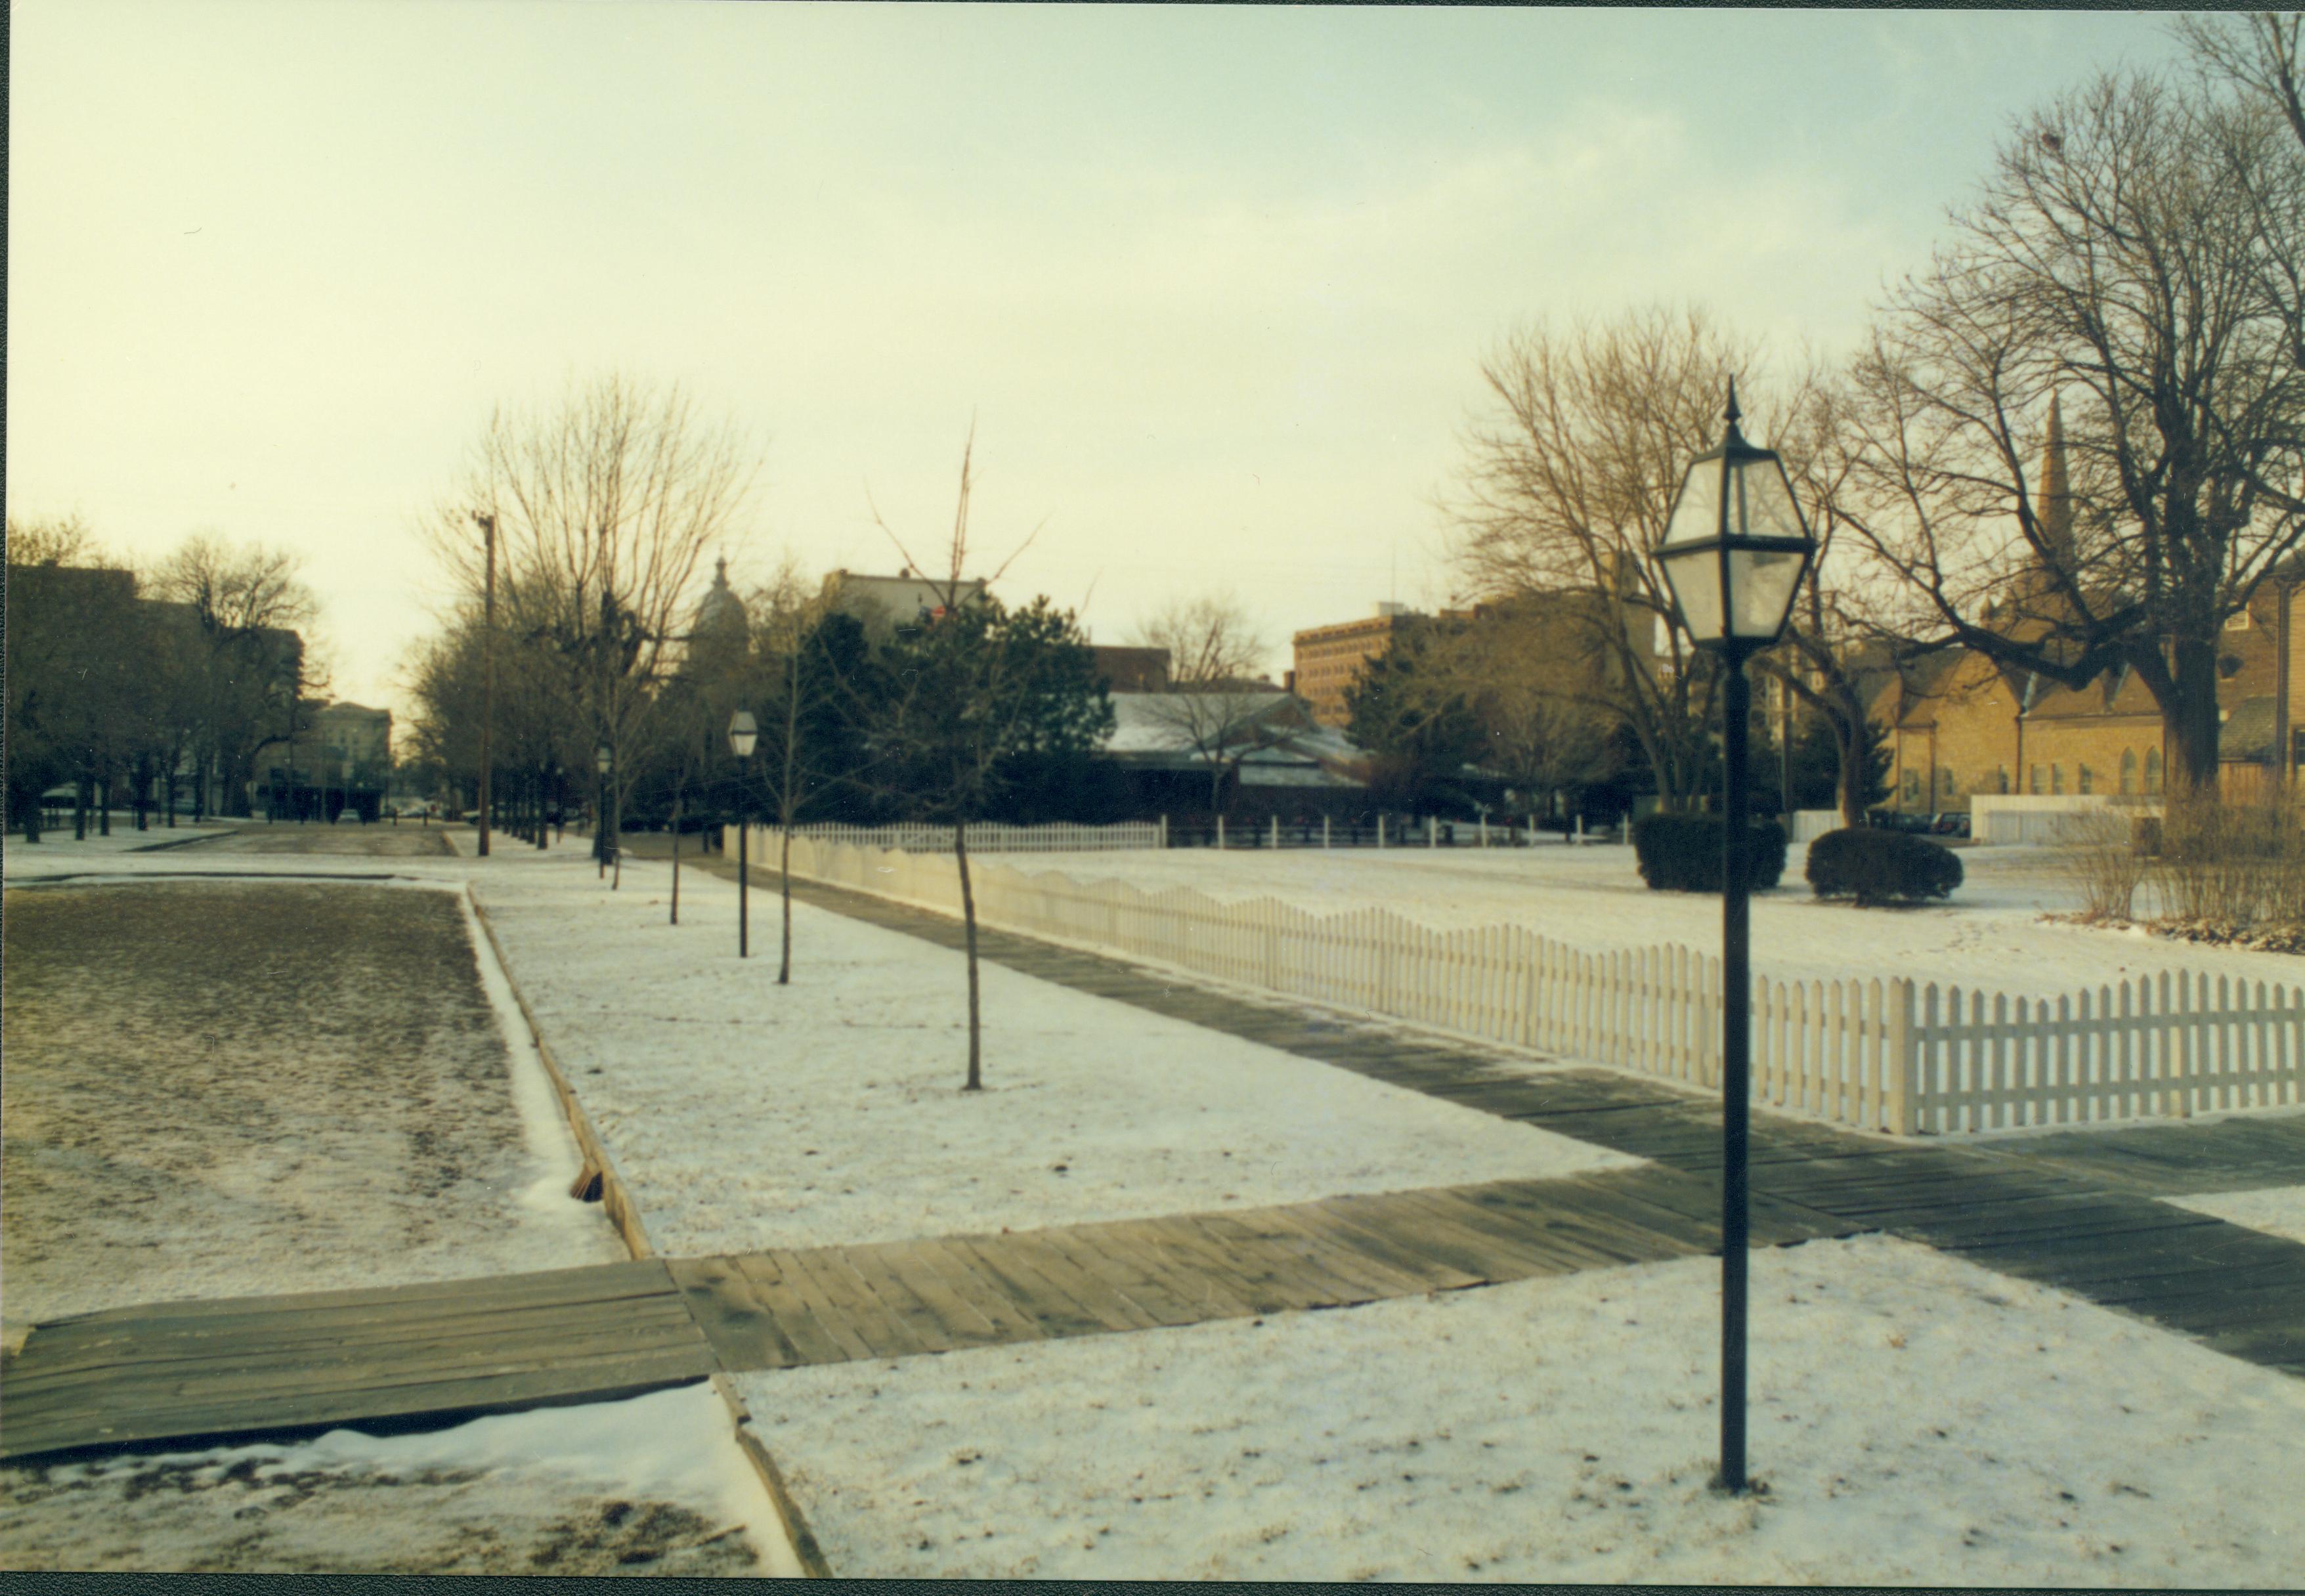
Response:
column 625, row 1216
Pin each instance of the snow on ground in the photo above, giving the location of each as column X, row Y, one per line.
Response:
column 125, row 839
column 227, row 1088
column 2278, row 1210
column 1989, row 935
column 653, row 1485
column 746, row 1115
column 1916, row 1420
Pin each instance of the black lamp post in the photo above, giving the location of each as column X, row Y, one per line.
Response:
column 743, row 733
column 1734, row 553
column 603, row 757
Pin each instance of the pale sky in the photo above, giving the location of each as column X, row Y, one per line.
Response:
column 1214, row 282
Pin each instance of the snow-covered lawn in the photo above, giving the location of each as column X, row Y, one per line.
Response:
column 1915, row 1419
column 125, row 839
column 746, row 1115
column 1989, row 935
column 227, row 1088
column 653, row 1485
column 2278, row 1210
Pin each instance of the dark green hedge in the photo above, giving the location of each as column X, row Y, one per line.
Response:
column 1682, row 853
column 1882, row 867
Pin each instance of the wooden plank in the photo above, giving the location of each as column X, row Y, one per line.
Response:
column 1054, row 1311
column 288, row 1332
column 1217, row 1268
column 1172, row 1262
column 983, row 1297
column 824, row 1276
column 1508, row 1250
column 782, row 1299
column 1271, row 1271
column 591, row 1383
column 564, row 1289
column 257, row 1376
column 732, row 1316
column 1111, row 1307
column 936, row 1320
column 1083, row 1245
column 1403, row 1233
column 1321, row 1243
column 1298, row 1263
column 283, row 1357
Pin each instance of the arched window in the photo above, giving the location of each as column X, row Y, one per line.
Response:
column 2057, row 777
column 2153, row 771
column 2129, row 770
column 2088, row 779
column 2036, row 786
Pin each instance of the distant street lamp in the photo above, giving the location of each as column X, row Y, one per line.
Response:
column 1734, row 553
column 603, row 757
column 742, row 734
column 487, row 524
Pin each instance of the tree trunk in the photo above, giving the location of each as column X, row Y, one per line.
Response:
column 968, row 921
column 2189, row 715
column 1851, row 740
column 104, row 805
column 676, row 857
column 80, row 810
column 784, row 870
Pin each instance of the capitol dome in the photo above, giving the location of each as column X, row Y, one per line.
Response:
column 720, row 620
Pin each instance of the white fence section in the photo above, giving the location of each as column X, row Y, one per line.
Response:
column 2047, row 819
column 986, row 839
column 1895, row 1056
column 1809, row 824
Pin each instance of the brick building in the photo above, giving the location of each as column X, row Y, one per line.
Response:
column 1330, row 659
column 1959, row 725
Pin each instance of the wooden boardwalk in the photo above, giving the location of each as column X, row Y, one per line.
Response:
column 260, row 1366
column 2073, row 1209
column 255, row 1365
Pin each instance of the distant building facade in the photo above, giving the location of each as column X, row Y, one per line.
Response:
column 1330, row 661
column 1126, row 670
column 882, row 604
column 1961, row 725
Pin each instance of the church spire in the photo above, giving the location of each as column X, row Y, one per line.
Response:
column 2053, row 505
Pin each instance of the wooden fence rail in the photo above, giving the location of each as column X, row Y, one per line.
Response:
column 1896, row 1055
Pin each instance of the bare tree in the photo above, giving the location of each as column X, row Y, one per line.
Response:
column 2105, row 308
column 1215, row 704
column 248, row 607
column 1567, row 482
column 1512, row 662
column 605, row 505
column 2254, row 50
column 953, row 703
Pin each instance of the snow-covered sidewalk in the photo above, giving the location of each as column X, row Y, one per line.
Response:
column 743, row 1115
column 1916, row 1420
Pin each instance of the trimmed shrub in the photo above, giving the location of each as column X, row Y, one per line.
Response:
column 1682, row 853
column 1881, row 867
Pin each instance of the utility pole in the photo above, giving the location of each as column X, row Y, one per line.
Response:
column 488, row 661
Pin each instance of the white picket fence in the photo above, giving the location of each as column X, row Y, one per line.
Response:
column 1896, row 1055
column 986, row 838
